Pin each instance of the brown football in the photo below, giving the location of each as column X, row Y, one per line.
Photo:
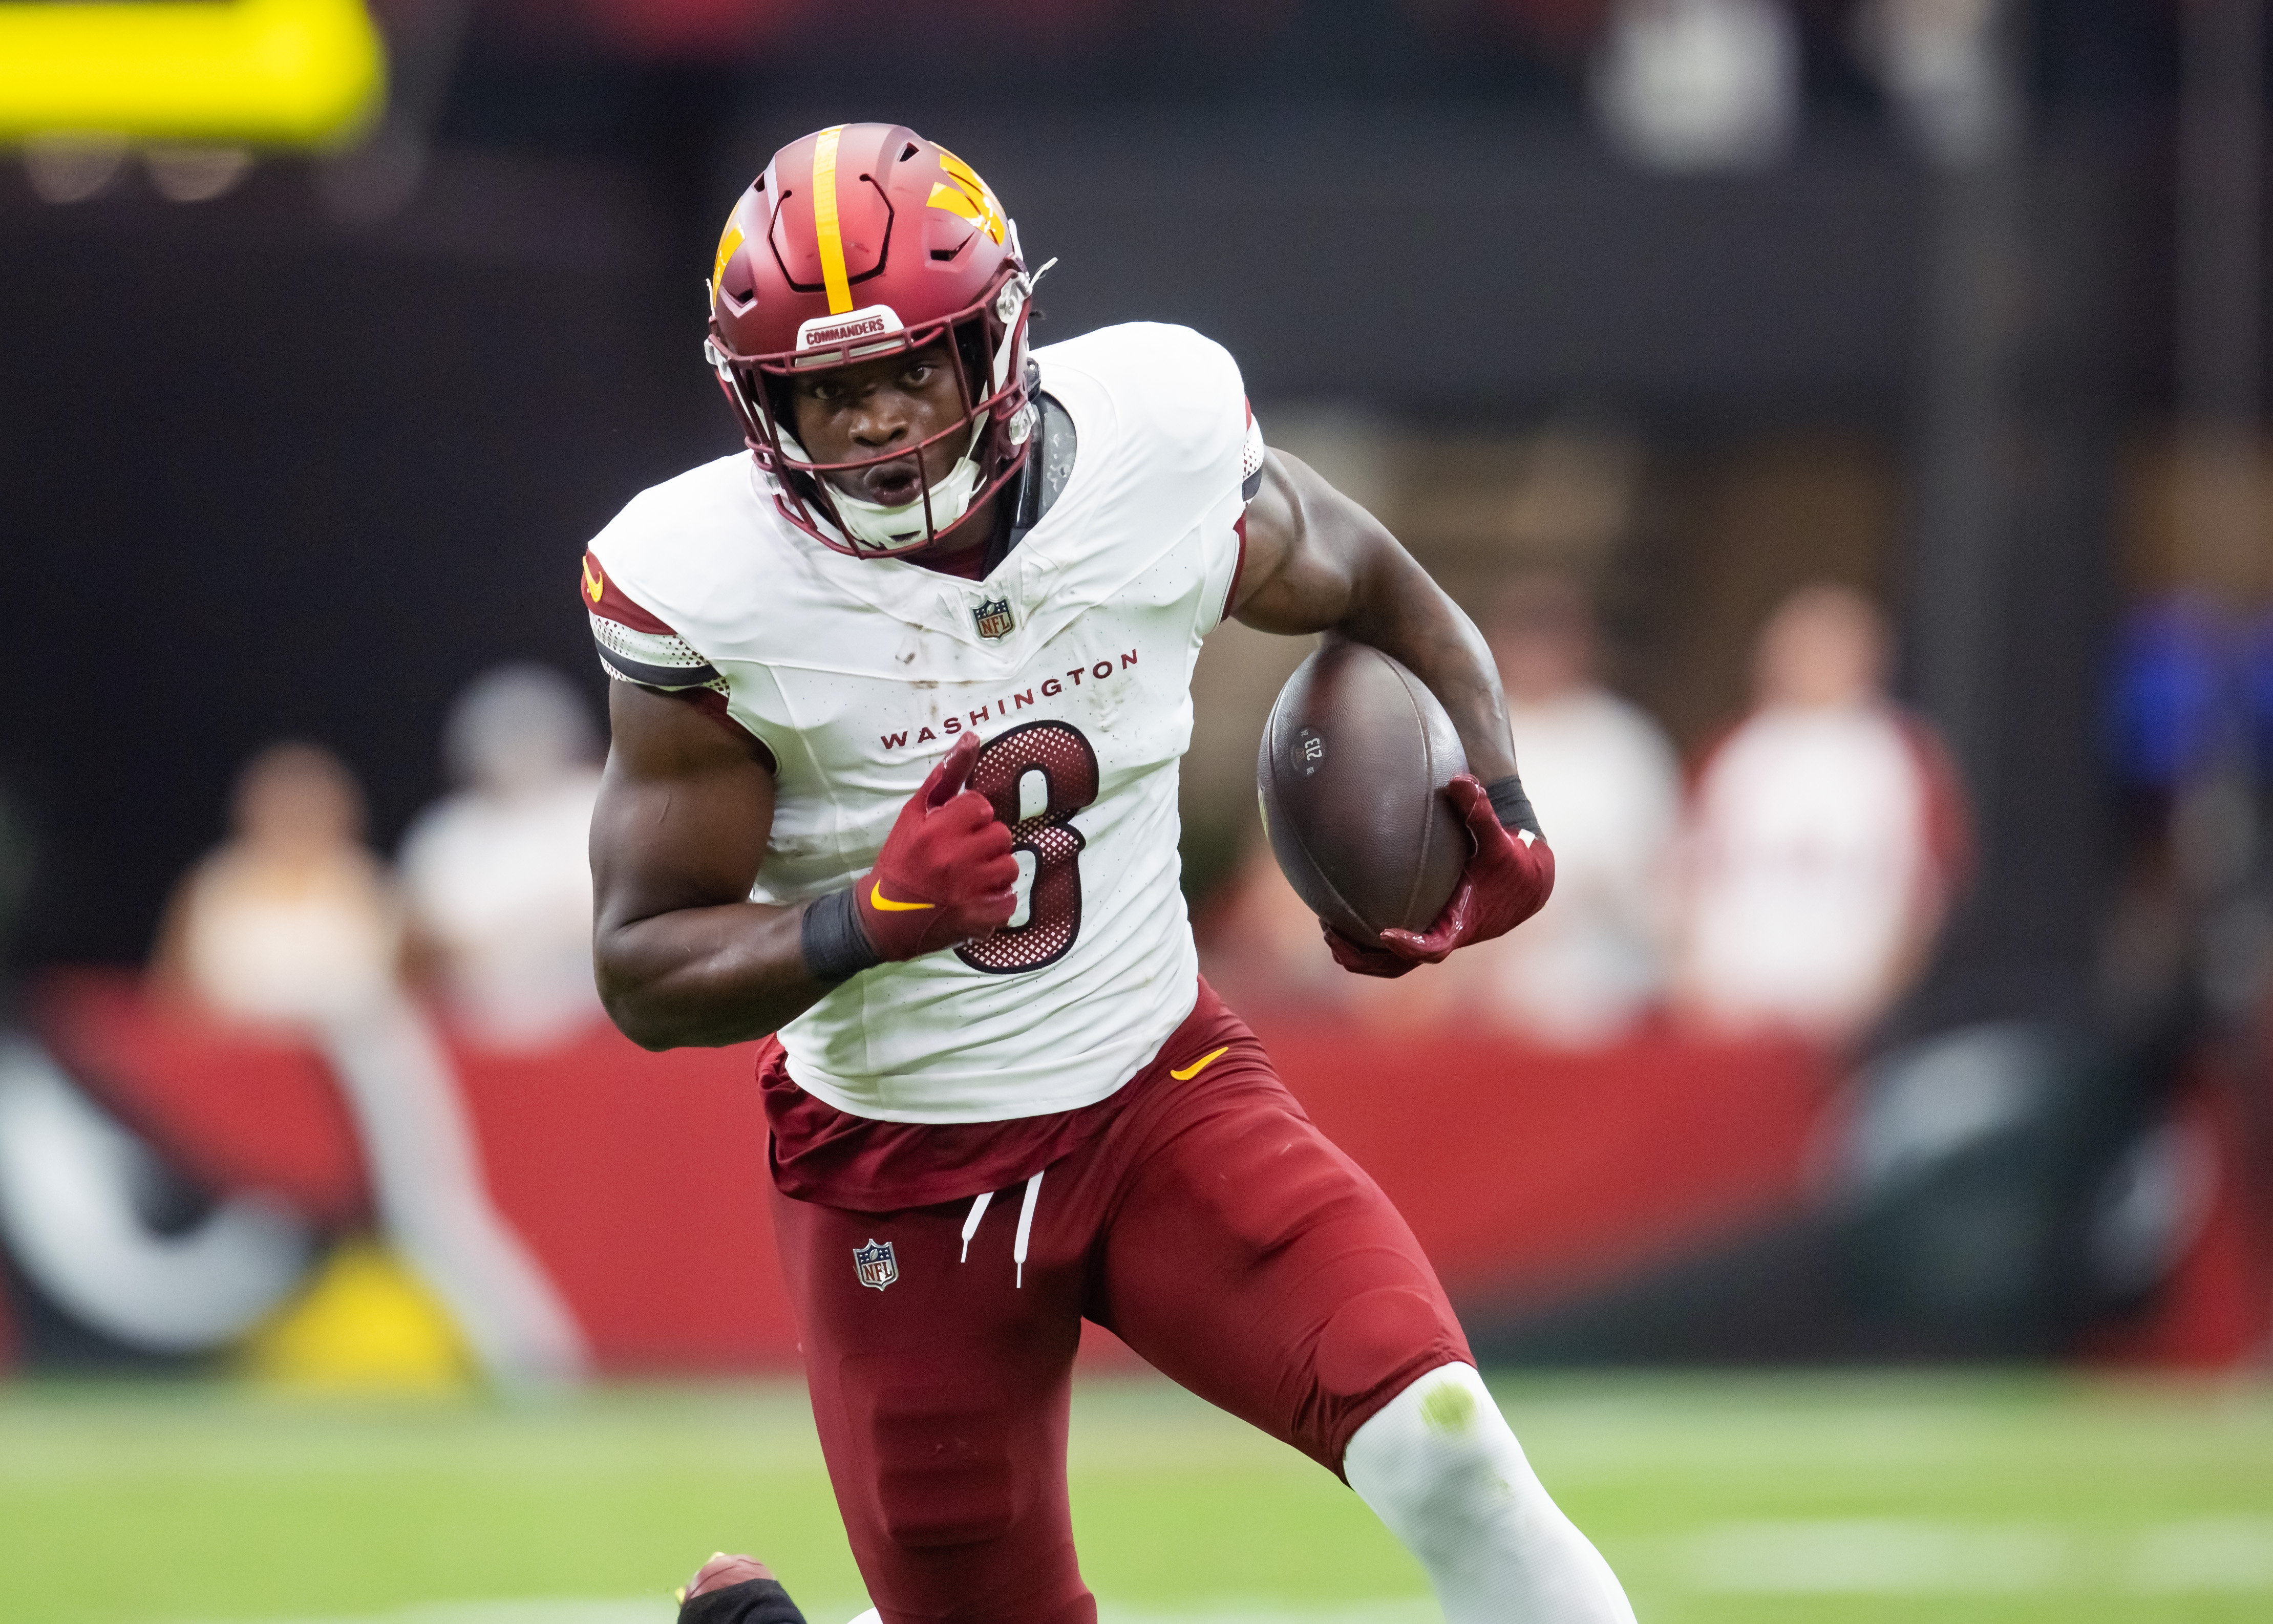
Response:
column 1353, row 762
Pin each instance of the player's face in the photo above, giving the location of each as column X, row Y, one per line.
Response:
column 882, row 409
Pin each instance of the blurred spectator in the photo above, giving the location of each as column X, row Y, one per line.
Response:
column 1827, row 833
column 292, row 922
column 2190, row 738
column 292, row 919
column 1939, row 62
column 498, row 881
column 2183, row 675
column 1700, row 85
column 1607, row 786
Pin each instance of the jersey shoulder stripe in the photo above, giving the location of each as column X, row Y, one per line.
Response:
column 638, row 648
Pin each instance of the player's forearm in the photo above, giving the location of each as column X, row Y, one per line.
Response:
column 1323, row 564
column 702, row 978
column 1399, row 609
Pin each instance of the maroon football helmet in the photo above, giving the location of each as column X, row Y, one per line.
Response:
column 859, row 241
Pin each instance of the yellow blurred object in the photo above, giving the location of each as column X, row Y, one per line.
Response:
column 368, row 1323
column 283, row 72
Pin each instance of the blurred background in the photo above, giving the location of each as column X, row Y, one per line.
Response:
column 1843, row 418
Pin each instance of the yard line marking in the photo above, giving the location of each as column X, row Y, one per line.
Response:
column 1903, row 1556
column 1872, row 1556
column 2207, row 1553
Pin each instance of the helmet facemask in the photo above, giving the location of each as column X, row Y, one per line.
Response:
column 986, row 345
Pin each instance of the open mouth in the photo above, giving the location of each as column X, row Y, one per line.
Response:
column 895, row 484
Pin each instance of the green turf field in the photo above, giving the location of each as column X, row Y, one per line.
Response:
column 1831, row 1500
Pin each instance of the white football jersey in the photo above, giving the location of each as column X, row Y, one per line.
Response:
column 1072, row 661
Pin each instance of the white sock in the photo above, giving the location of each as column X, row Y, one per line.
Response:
column 1439, row 1465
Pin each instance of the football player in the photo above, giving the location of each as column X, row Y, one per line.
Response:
column 902, row 689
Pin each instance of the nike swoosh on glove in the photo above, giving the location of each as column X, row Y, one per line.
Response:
column 1507, row 879
column 946, row 873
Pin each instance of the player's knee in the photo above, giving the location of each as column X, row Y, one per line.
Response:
column 1439, row 1461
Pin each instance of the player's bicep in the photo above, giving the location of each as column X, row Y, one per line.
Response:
column 1305, row 552
column 684, row 809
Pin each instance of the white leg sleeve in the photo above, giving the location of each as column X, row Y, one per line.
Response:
column 1440, row 1466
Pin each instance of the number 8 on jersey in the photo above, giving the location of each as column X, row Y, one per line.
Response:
column 1057, row 753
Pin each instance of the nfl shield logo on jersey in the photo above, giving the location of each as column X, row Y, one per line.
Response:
column 875, row 1264
column 993, row 618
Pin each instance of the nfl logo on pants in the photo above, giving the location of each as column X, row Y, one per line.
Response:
column 874, row 1263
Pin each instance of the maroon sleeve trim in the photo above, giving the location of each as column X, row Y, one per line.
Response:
column 1238, row 569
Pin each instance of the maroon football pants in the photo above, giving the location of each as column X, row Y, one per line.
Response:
column 1210, row 1225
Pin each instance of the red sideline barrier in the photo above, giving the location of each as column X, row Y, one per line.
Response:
column 1524, row 1167
column 640, row 1179
column 230, row 1110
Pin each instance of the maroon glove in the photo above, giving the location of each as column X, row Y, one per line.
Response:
column 1506, row 881
column 946, row 873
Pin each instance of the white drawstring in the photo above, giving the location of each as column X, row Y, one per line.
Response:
column 1025, row 1227
column 970, row 1224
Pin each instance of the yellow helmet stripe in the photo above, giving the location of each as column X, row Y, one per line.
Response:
column 824, row 221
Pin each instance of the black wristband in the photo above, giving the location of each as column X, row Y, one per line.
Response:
column 835, row 947
column 753, row 1601
column 1513, row 805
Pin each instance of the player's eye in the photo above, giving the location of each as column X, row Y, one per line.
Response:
column 917, row 376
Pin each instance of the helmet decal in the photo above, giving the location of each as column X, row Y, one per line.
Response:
column 727, row 244
column 969, row 196
column 825, row 225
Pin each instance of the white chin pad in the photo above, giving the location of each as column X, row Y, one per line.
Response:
column 898, row 529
